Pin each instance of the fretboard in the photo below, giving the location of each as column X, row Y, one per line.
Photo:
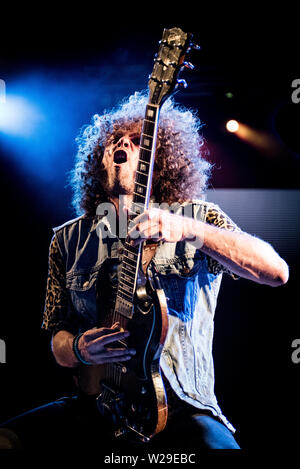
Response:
column 140, row 203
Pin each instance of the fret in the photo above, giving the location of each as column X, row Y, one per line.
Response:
column 140, row 189
column 125, row 299
column 140, row 184
column 130, row 249
column 148, row 128
column 142, row 178
column 145, row 155
column 124, row 291
column 126, row 294
column 148, row 137
column 127, row 278
column 138, row 198
column 125, row 283
column 151, row 113
column 137, row 208
column 125, row 287
column 143, row 168
column 146, row 141
column 142, row 174
column 130, row 255
column 128, row 270
column 129, row 262
column 139, row 195
column 128, row 283
column 144, row 148
column 134, row 249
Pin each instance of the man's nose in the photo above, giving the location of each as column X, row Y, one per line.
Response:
column 124, row 141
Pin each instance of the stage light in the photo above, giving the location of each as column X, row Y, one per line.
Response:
column 18, row 117
column 43, row 112
column 232, row 125
column 262, row 140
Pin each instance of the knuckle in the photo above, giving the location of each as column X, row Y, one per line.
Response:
column 152, row 212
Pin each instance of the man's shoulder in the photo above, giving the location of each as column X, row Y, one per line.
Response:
column 73, row 223
column 195, row 208
column 201, row 208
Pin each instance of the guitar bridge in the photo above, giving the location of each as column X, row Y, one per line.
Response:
column 109, row 404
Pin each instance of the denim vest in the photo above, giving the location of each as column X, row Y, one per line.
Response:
column 191, row 291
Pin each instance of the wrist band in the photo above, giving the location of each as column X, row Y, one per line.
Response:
column 76, row 351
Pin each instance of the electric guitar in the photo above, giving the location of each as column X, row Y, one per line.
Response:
column 131, row 394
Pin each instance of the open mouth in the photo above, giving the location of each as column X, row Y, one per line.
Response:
column 120, row 156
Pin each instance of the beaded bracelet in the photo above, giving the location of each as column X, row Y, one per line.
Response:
column 76, row 351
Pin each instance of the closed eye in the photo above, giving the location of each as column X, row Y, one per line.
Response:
column 116, row 138
column 135, row 140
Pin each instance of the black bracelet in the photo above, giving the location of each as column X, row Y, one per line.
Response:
column 76, row 351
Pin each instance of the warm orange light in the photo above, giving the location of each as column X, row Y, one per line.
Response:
column 232, row 125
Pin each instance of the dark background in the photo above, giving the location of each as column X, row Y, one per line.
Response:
column 77, row 62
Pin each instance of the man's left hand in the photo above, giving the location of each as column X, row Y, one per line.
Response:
column 161, row 225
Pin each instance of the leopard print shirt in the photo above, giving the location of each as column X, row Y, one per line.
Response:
column 57, row 304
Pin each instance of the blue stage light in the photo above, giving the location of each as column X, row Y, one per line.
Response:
column 18, row 117
column 43, row 113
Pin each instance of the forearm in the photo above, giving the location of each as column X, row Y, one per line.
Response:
column 62, row 348
column 245, row 255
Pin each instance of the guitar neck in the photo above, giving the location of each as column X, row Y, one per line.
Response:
column 143, row 178
column 140, row 203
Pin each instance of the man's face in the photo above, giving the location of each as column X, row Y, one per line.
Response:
column 120, row 160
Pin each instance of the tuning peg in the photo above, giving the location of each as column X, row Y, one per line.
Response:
column 181, row 83
column 189, row 65
column 193, row 46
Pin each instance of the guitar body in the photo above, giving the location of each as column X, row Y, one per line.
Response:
column 130, row 394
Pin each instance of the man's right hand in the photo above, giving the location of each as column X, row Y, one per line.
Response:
column 94, row 345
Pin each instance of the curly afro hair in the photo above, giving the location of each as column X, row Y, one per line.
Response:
column 181, row 172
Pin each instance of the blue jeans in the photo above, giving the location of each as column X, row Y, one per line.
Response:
column 69, row 423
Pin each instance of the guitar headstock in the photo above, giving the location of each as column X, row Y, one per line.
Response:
column 169, row 61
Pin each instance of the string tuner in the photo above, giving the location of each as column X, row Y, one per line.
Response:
column 181, row 83
column 189, row 65
column 193, row 46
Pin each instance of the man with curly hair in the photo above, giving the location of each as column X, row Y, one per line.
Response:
column 192, row 253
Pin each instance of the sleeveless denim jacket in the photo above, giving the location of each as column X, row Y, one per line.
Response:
column 191, row 291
